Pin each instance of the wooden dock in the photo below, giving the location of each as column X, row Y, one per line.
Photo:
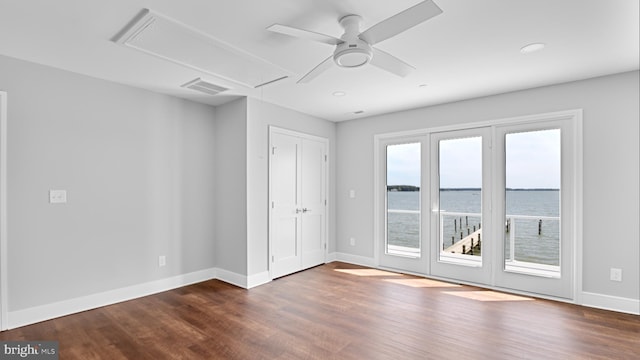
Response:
column 467, row 244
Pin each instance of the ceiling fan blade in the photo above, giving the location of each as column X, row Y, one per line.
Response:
column 304, row 34
column 400, row 22
column 390, row 63
column 322, row 67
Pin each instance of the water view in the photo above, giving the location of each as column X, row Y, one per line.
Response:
column 534, row 240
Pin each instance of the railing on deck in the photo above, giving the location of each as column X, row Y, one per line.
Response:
column 511, row 264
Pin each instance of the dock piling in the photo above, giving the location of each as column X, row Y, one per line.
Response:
column 540, row 227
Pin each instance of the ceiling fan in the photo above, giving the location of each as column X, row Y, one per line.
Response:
column 355, row 48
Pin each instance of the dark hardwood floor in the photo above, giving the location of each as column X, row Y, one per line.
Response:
column 340, row 311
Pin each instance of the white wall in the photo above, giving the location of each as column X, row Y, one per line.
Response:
column 261, row 115
column 151, row 175
column 611, row 168
column 139, row 172
column 231, row 187
column 242, row 184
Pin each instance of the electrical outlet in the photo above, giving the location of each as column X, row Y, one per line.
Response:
column 57, row 196
column 162, row 261
column 616, row 274
column 352, row 241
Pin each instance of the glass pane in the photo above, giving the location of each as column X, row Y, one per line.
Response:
column 460, row 198
column 532, row 224
column 403, row 200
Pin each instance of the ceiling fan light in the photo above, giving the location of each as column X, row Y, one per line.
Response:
column 353, row 58
column 351, row 55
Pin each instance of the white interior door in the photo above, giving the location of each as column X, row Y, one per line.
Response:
column 298, row 189
column 313, row 188
column 285, row 239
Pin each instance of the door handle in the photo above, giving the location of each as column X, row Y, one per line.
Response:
column 304, row 210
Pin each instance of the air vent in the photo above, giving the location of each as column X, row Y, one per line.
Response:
column 204, row 86
column 168, row 39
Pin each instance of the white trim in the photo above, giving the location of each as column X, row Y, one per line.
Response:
column 355, row 259
column 3, row 211
column 378, row 205
column 232, row 278
column 71, row 306
column 578, row 197
column 280, row 130
column 258, row 279
column 608, row 302
column 551, row 116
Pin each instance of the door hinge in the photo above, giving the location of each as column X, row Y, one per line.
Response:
column 325, row 158
column 273, row 205
column 273, row 150
column 325, row 202
column 325, row 246
column 273, row 258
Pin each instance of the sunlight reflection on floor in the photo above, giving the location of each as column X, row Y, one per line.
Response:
column 417, row 283
column 367, row 272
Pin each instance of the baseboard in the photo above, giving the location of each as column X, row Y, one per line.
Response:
column 258, row 279
column 608, row 302
column 49, row 311
column 46, row 312
column 232, row 278
column 331, row 257
column 355, row 259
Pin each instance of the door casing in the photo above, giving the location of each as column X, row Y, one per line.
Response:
column 3, row 211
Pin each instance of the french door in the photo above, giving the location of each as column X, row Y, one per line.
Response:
column 402, row 181
column 298, row 201
column 461, row 204
column 495, row 205
column 535, row 212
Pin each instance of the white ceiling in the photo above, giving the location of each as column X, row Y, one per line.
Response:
column 470, row 50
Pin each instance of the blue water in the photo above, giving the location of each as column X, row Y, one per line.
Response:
column 543, row 248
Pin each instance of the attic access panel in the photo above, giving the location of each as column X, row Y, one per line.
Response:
column 171, row 40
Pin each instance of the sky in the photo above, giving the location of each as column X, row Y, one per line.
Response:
column 532, row 161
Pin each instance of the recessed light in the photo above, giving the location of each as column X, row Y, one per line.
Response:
column 339, row 93
column 422, row 85
column 531, row 48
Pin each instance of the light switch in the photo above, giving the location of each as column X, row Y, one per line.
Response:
column 57, row 196
column 352, row 194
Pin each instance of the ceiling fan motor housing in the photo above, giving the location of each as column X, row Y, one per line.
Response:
column 353, row 51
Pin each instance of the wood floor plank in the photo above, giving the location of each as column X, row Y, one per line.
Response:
column 340, row 311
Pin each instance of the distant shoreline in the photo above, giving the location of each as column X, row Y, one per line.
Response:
column 417, row 188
